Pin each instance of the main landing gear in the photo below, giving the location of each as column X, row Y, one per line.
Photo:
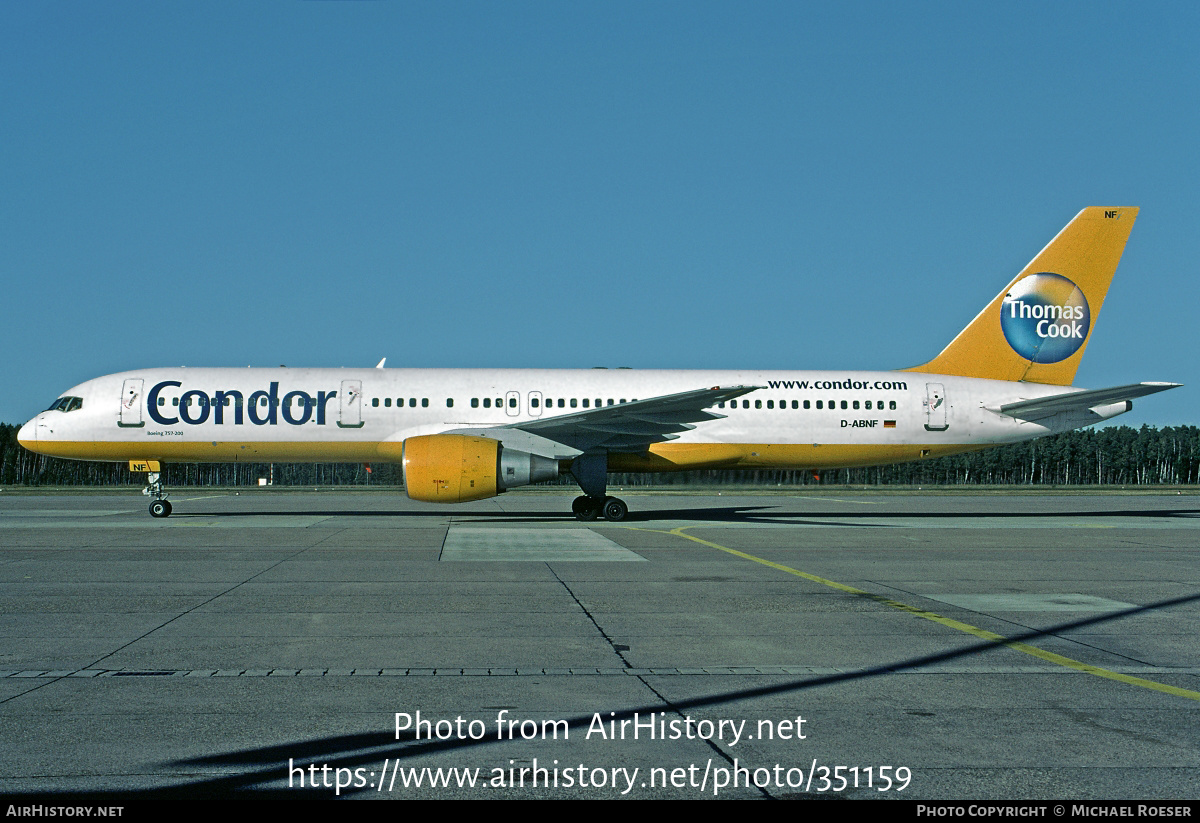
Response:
column 587, row 508
column 590, row 471
column 160, row 506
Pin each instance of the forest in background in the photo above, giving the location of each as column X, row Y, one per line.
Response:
column 1119, row 456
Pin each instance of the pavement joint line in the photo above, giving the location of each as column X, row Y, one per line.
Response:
column 958, row 625
column 573, row 671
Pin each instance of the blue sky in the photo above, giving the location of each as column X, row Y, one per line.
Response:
column 658, row 185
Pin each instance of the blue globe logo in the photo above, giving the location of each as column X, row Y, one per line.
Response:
column 1045, row 318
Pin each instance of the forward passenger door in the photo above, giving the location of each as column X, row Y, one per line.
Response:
column 130, row 415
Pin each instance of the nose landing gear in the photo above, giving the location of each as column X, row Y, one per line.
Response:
column 160, row 506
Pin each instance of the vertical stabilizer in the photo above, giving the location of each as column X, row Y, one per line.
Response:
column 1038, row 327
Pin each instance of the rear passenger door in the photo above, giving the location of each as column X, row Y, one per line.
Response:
column 935, row 408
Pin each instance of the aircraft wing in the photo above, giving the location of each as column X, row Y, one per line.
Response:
column 632, row 427
column 1079, row 400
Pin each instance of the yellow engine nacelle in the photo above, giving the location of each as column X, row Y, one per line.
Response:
column 450, row 468
column 456, row 468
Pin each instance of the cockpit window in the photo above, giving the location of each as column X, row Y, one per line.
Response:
column 66, row 404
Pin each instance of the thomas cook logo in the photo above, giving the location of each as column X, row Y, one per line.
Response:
column 1045, row 318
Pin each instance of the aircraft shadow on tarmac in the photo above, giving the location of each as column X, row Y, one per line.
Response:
column 722, row 514
column 367, row 751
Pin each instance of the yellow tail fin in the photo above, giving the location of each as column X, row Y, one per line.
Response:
column 1038, row 327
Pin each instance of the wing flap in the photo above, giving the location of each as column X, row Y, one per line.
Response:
column 636, row 426
column 676, row 418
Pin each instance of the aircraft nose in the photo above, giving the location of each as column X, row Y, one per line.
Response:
column 27, row 435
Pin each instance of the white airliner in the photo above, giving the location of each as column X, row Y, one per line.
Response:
column 470, row 434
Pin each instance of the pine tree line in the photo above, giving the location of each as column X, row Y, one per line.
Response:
column 1113, row 456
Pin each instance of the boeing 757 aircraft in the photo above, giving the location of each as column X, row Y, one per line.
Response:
column 470, row 434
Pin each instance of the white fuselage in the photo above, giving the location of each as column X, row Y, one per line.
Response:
column 796, row 419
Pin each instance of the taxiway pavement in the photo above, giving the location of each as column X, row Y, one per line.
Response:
column 981, row 646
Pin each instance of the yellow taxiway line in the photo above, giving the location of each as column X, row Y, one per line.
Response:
column 958, row 625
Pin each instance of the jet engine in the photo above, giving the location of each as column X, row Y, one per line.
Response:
column 456, row 468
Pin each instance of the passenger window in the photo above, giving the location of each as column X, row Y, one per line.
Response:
column 474, row 402
column 561, row 403
column 574, row 402
column 424, row 402
column 818, row 404
column 387, row 402
column 487, row 402
column 892, row 405
column 770, row 404
column 843, row 404
column 758, row 404
column 806, row 404
column 856, row 404
column 449, row 402
column 512, row 402
column 586, row 402
column 533, row 401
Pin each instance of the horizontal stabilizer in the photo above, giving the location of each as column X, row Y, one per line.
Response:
column 1079, row 400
